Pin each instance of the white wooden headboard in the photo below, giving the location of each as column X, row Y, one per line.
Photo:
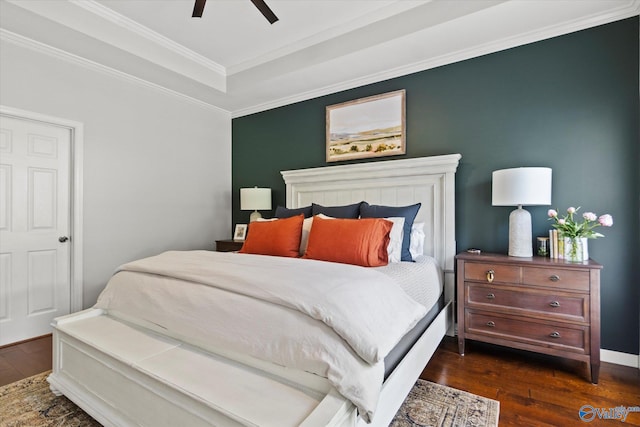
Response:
column 428, row 180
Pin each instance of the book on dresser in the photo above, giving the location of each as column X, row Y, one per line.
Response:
column 537, row 304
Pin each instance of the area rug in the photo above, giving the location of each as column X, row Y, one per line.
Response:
column 30, row 403
column 430, row 404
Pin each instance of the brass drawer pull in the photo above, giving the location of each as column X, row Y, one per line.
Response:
column 490, row 296
column 554, row 304
column 490, row 275
column 491, row 324
column 554, row 334
column 554, row 278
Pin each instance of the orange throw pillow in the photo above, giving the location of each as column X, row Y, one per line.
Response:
column 350, row 241
column 280, row 237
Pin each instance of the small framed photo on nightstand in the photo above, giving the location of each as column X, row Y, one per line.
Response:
column 240, row 232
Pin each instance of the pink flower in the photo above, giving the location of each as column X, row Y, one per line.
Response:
column 568, row 226
column 605, row 220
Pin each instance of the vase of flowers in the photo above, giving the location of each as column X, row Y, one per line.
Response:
column 575, row 233
column 575, row 249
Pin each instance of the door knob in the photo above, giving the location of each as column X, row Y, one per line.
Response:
column 62, row 239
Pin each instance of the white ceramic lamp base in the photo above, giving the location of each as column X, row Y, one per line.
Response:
column 255, row 215
column 520, row 241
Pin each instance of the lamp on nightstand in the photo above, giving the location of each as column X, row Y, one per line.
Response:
column 255, row 199
column 521, row 187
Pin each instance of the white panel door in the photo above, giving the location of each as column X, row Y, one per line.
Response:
column 34, row 227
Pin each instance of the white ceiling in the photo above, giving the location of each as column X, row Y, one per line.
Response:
column 233, row 59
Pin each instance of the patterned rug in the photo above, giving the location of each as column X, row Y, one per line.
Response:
column 430, row 404
column 30, row 403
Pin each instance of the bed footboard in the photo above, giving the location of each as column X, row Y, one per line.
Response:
column 121, row 375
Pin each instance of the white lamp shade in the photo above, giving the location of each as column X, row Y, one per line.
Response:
column 253, row 199
column 521, row 186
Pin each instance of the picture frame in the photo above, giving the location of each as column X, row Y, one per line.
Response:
column 240, row 232
column 367, row 127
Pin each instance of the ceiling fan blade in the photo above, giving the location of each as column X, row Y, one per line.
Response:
column 198, row 8
column 265, row 10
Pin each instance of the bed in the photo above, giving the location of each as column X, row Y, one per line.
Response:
column 137, row 358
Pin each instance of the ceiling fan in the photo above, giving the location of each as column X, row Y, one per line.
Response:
column 260, row 4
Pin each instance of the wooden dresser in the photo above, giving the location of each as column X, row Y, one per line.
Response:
column 536, row 304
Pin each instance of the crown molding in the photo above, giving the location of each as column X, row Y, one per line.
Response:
column 40, row 47
column 196, row 64
column 631, row 8
column 100, row 23
column 147, row 33
column 372, row 18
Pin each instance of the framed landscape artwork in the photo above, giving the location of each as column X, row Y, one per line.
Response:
column 366, row 127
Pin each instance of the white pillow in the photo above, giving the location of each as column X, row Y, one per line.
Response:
column 304, row 238
column 394, row 250
column 416, row 245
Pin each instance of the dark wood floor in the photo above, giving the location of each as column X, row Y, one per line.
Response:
column 25, row 359
column 533, row 390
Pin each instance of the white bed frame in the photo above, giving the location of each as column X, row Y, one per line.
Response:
column 123, row 375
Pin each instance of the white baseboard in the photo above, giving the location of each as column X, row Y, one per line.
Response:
column 619, row 358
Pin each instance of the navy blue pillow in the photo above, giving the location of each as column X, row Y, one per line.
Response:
column 282, row 212
column 348, row 211
column 408, row 212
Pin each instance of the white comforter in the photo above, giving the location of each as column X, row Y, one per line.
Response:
column 335, row 320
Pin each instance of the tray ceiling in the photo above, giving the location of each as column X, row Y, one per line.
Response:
column 234, row 60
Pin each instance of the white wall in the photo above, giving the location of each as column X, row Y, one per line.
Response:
column 157, row 168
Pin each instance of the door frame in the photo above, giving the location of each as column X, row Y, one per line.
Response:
column 75, row 194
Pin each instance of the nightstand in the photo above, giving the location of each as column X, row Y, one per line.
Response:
column 536, row 304
column 228, row 245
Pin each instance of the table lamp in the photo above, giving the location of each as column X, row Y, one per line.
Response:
column 254, row 199
column 521, row 187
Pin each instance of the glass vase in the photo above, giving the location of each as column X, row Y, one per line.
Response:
column 576, row 249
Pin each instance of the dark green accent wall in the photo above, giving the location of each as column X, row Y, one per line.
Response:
column 569, row 103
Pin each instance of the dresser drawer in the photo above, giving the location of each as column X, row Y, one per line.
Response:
column 524, row 301
column 481, row 272
column 556, row 277
column 539, row 334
